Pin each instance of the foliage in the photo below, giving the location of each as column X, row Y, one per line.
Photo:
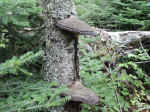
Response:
column 120, row 85
column 20, row 21
column 16, row 12
column 116, row 14
column 28, row 94
column 14, row 65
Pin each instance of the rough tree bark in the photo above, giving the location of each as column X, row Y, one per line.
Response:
column 125, row 37
column 127, row 41
column 59, row 48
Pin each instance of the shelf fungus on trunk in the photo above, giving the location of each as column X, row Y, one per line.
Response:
column 80, row 93
column 77, row 91
column 74, row 25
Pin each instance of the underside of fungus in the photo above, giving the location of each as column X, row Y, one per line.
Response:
column 74, row 25
column 80, row 93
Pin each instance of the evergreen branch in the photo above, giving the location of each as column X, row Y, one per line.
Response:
column 14, row 65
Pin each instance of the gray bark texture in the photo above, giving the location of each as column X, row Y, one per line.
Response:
column 127, row 41
column 59, row 48
column 59, row 45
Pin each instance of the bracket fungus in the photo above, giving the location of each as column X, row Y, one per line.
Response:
column 77, row 91
column 74, row 25
column 80, row 93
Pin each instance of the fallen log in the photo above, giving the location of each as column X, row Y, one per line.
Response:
column 127, row 40
column 125, row 37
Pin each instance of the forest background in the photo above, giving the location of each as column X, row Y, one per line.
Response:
column 121, row 87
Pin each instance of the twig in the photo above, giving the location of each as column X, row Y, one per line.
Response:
column 144, row 49
column 147, row 61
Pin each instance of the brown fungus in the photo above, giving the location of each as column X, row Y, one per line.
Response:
column 80, row 93
column 74, row 25
column 77, row 91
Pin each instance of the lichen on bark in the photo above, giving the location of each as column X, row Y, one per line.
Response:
column 59, row 46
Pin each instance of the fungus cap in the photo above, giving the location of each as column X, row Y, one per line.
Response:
column 80, row 93
column 77, row 26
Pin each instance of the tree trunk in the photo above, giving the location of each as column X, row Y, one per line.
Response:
column 59, row 48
